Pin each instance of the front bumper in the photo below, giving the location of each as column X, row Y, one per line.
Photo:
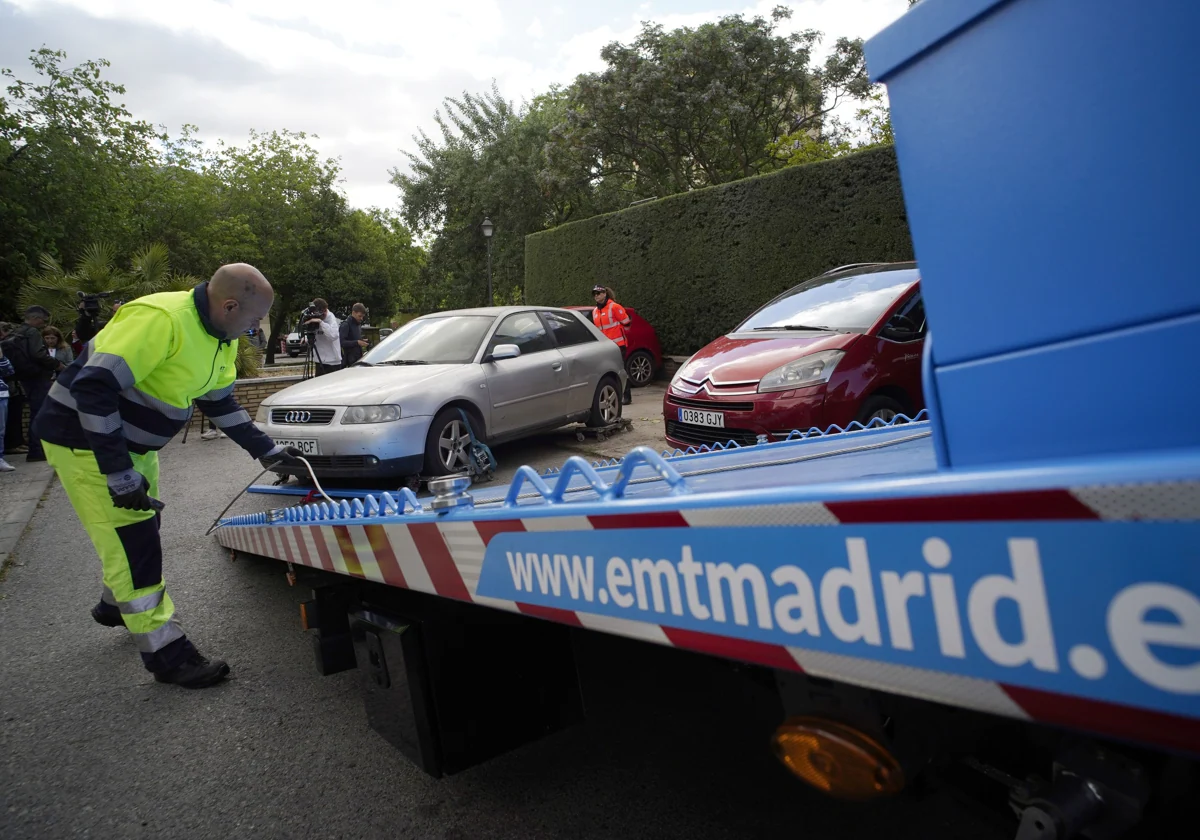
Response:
column 362, row 450
column 775, row 415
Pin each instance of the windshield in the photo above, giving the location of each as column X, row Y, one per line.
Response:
column 447, row 340
column 848, row 304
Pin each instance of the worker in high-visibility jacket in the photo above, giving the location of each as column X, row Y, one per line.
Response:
column 107, row 415
column 612, row 319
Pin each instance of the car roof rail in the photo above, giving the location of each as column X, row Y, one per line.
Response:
column 850, row 265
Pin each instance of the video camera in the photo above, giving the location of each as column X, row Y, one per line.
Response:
column 91, row 302
column 307, row 315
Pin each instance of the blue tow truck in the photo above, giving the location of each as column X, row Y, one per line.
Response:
column 906, row 589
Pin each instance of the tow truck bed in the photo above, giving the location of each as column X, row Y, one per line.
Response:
column 853, row 557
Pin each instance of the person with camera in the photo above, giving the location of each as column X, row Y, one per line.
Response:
column 89, row 310
column 351, row 335
column 125, row 397
column 321, row 329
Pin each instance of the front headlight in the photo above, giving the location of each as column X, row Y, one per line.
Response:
column 371, row 414
column 802, row 373
column 263, row 414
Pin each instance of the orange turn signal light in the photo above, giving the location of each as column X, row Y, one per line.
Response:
column 837, row 759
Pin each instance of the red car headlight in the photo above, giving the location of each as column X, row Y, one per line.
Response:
column 814, row 369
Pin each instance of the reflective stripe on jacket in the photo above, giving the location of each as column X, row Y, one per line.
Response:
column 610, row 320
column 132, row 387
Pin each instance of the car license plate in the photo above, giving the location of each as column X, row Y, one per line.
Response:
column 306, row 446
column 702, row 418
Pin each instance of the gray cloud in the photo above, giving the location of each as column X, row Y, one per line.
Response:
column 172, row 79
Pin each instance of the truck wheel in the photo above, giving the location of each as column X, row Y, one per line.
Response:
column 606, row 403
column 640, row 367
column 448, row 444
column 883, row 408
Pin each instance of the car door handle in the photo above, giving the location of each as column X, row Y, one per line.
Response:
column 556, row 366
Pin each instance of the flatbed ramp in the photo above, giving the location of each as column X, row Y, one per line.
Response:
column 1025, row 592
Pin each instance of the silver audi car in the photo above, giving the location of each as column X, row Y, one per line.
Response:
column 403, row 409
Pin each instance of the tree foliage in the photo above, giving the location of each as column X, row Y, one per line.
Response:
column 66, row 149
column 486, row 161
column 97, row 271
column 81, row 182
column 691, row 108
column 672, row 111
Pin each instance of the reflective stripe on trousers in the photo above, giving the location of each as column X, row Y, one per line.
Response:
column 130, row 554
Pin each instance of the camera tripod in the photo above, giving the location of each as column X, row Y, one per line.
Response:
column 310, row 352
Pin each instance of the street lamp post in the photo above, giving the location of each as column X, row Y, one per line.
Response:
column 487, row 228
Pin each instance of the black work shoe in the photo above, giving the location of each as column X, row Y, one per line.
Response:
column 109, row 617
column 195, row 672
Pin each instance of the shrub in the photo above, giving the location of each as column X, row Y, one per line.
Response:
column 695, row 264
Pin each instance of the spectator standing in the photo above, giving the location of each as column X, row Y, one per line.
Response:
column 351, row 335
column 34, row 365
column 14, row 435
column 6, row 372
column 57, row 347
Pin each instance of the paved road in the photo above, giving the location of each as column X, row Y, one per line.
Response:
column 90, row 746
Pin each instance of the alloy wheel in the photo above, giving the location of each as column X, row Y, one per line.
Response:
column 887, row 415
column 641, row 370
column 610, row 404
column 453, row 443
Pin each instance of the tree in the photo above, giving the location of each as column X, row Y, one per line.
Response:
column 279, row 191
column 690, row 108
column 487, row 160
column 97, row 271
column 66, row 148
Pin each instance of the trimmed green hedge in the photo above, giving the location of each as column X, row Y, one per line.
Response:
column 695, row 264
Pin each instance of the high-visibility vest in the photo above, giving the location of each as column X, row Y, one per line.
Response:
column 608, row 319
column 161, row 354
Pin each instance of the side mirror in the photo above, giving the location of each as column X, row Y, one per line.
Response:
column 503, row 351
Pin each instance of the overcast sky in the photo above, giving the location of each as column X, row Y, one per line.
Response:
column 364, row 75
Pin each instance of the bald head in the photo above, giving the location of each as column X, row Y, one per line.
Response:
column 239, row 296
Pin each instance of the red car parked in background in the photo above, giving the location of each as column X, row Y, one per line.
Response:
column 645, row 354
column 844, row 346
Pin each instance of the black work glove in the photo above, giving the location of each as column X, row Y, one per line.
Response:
column 282, row 456
column 128, row 490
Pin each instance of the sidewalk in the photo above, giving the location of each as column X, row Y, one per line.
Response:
column 20, row 492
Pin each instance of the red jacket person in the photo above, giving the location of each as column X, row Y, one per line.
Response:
column 612, row 319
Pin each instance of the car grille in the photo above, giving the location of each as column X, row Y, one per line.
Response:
column 341, row 462
column 706, row 436
column 302, row 416
column 710, row 405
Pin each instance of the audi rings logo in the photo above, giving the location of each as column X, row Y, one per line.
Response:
column 297, row 417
